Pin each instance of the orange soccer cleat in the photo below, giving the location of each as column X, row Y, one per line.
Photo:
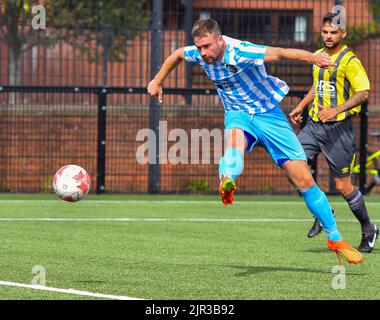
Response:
column 343, row 249
column 226, row 189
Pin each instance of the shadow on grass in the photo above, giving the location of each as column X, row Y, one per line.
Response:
column 317, row 251
column 251, row 270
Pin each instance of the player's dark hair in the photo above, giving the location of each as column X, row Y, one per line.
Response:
column 330, row 18
column 201, row 27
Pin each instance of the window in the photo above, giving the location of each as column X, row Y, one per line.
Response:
column 293, row 28
column 300, row 28
column 204, row 15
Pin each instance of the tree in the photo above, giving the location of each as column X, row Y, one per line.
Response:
column 17, row 33
column 357, row 34
column 110, row 23
column 375, row 8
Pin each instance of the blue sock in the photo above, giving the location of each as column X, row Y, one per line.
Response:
column 231, row 164
column 319, row 206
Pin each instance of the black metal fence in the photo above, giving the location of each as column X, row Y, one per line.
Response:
column 76, row 92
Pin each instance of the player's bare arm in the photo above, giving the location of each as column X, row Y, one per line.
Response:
column 326, row 114
column 296, row 114
column 155, row 86
column 322, row 60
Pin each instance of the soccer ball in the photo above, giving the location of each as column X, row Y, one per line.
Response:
column 71, row 183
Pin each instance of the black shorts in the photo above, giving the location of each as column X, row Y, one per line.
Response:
column 336, row 140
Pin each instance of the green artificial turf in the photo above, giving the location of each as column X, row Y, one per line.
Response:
column 178, row 247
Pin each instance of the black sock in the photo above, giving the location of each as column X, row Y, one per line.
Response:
column 356, row 203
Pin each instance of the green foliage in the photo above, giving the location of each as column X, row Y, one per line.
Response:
column 15, row 27
column 356, row 35
column 264, row 189
column 46, row 184
column 106, row 23
column 197, row 186
column 374, row 6
column 4, row 185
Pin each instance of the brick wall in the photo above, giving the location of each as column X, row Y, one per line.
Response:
column 33, row 147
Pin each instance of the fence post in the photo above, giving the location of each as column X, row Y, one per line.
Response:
column 363, row 147
column 188, row 26
column 154, row 107
column 101, row 154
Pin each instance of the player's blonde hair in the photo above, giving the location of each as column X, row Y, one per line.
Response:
column 201, row 27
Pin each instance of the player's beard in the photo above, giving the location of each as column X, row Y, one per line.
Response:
column 209, row 60
column 334, row 45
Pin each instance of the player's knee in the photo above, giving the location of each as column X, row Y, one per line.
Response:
column 344, row 186
column 344, row 189
column 340, row 187
column 304, row 182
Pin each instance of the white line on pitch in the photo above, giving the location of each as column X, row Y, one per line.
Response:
column 171, row 219
column 68, row 291
column 149, row 202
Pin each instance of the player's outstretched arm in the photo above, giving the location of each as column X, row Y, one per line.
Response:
column 322, row 60
column 155, row 86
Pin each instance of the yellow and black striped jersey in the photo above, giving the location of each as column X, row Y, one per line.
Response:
column 333, row 86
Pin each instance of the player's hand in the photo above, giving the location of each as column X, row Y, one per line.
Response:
column 296, row 115
column 322, row 60
column 326, row 114
column 155, row 90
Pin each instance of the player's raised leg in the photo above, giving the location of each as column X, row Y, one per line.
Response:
column 317, row 202
column 231, row 164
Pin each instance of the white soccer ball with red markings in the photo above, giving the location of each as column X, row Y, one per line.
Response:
column 71, row 183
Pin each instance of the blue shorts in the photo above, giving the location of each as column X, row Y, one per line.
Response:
column 270, row 130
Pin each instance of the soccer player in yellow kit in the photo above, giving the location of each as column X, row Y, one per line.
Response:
column 335, row 97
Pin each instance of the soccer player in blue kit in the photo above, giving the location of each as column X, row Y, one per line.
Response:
column 253, row 117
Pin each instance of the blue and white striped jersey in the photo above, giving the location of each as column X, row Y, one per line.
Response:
column 240, row 77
